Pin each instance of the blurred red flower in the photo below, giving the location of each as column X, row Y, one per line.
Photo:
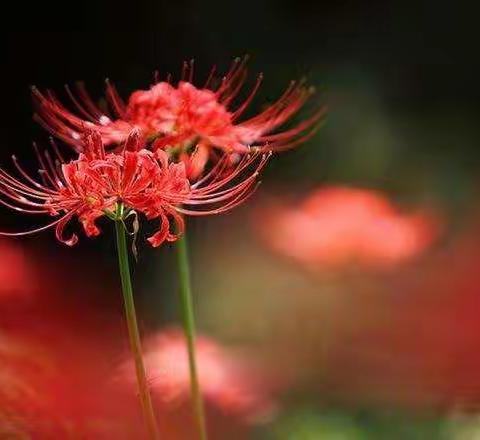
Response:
column 21, row 401
column 52, row 378
column 57, row 349
column 413, row 340
column 17, row 271
column 228, row 382
column 335, row 226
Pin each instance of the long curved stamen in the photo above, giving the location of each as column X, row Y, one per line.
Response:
column 40, row 189
column 9, row 182
column 232, row 196
column 298, row 141
column 56, row 150
column 213, row 197
column 231, row 205
column 31, row 231
column 16, row 196
column 249, row 99
column 95, row 112
column 79, row 106
column 115, row 100
column 20, row 209
column 242, row 165
column 235, row 90
column 210, row 77
column 306, row 124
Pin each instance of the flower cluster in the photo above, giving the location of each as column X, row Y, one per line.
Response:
column 182, row 119
column 114, row 184
column 170, row 151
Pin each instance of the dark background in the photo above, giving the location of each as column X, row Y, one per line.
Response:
column 422, row 56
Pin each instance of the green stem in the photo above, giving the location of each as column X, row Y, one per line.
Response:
column 186, row 301
column 133, row 333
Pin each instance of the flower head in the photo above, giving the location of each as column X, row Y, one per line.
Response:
column 336, row 226
column 184, row 119
column 115, row 184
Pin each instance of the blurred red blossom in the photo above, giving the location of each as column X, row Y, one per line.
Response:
column 52, row 379
column 17, row 271
column 335, row 226
column 183, row 119
column 56, row 352
column 21, row 399
column 414, row 340
column 228, row 382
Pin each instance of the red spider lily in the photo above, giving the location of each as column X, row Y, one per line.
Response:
column 336, row 226
column 182, row 118
column 117, row 184
column 228, row 382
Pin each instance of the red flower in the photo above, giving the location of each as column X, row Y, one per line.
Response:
column 183, row 119
column 228, row 382
column 336, row 226
column 98, row 184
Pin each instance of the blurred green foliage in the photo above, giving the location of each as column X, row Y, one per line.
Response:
column 310, row 423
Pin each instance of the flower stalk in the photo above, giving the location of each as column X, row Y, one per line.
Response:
column 133, row 332
column 188, row 318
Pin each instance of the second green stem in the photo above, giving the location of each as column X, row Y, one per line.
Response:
column 188, row 317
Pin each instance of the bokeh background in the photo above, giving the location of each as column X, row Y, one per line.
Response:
column 341, row 302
